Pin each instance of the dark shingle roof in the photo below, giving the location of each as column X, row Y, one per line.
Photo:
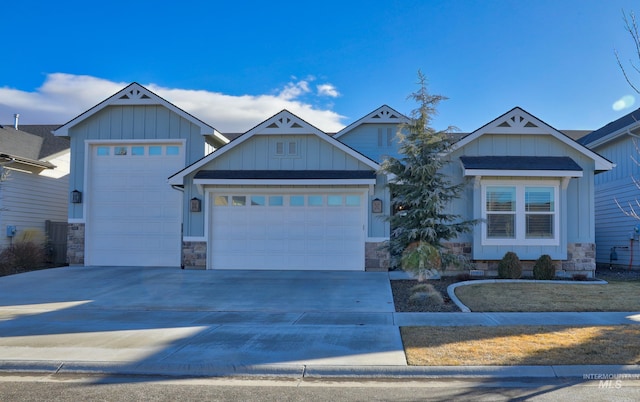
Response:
column 612, row 127
column 51, row 144
column 520, row 163
column 285, row 174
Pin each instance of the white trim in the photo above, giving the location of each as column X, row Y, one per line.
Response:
column 181, row 141
column 76, row 220
column 522, row 173
column 285, row 182
column 195, row 238
column 376, row 239
column 369, row 119
column 520, row 239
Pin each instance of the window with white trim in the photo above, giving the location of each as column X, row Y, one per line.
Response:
column 520, row 213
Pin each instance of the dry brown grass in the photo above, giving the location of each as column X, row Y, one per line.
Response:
column 533, row 297
column 521, row 345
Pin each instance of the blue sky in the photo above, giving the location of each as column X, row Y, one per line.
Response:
column 234, row 64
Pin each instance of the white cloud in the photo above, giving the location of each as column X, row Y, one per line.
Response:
column 64, row 96
column 623, row 103
column 327, row 90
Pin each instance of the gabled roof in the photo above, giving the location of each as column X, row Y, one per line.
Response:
column 20, row 147
column 136, row 94
column 282, row 123
column 383, row 114
column 612, row 130
column 518, row 121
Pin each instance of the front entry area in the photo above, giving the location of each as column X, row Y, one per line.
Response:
column 287, row 229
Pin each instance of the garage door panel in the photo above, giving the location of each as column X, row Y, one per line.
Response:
column 314, row 235
column 133, row 215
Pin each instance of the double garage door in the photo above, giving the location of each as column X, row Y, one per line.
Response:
column 133, row 215
column 300, row 230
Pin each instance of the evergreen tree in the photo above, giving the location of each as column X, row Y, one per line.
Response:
column 421, row 193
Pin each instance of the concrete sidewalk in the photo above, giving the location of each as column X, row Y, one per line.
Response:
column 169, row 322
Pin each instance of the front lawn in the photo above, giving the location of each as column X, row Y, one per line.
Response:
column 521, row 345
column 617, row 295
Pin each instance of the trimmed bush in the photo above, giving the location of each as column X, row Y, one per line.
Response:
column 543, row 269
column 510, row 266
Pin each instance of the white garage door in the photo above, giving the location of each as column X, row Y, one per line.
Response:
column 133, row 215
column 280, row 231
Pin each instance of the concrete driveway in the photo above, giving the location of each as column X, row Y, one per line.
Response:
column 167, row 317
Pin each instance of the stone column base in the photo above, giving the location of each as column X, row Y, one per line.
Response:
column 194, row 254
column 75, row 244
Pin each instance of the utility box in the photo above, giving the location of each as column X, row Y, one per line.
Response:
column 11, row 230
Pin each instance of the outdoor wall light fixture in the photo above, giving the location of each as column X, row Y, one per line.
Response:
column 376, row 206
column 195, row 205
column 76, row 197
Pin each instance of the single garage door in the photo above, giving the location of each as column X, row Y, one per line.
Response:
column 133, row 215
column 282, row 231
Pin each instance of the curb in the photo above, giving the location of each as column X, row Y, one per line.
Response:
column 301, row 371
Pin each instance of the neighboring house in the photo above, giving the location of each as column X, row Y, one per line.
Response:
column 35, row 189
column 616, row 233
column 285, row 195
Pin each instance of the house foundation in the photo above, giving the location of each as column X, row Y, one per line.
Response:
column 194, row 254
column 376, row 257
column 581, row 260
column 75, row 244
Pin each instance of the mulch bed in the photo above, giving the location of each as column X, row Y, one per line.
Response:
column 401, row 290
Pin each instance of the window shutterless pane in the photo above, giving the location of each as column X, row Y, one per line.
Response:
column 238, row 200
column 334, row 200
column 275, row 200
column 293, row 148
column 137, row 150
column 103, row 151
column 173, row 150
column 296, row 200
column 353, row 200
column 258, row 200
column 155, row 150
column 221, row 200
column 119, row 150
column 315, row 200
column 279, row 148
column 539, row 226
column 501, row 226
column 501, row 198
column 539, row 199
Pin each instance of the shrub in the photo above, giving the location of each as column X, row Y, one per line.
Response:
column 463, row 276
column 423, row 293
column 579, row 277
column 21, row 257
column 510, row 266
column 543, row 269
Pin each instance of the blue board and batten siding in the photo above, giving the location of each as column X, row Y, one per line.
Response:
column 613, row 227
column 259, row 153
column 576, row 200
column 376, row 141
column 127, row 123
